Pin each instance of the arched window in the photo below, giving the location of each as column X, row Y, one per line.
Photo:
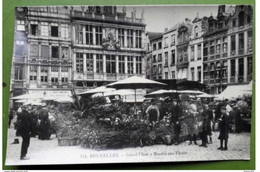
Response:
column 196, row 31
column 241, row 17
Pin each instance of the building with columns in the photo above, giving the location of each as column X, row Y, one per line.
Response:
column 61, row 48
column 107, row 46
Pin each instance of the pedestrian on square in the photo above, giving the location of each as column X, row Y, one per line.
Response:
column 44, row 126
column 202, row 125
column 209, row 119
column 223, row 128
column 153, row 112
column 10, row 117
column 191, row 122
column 24, row 124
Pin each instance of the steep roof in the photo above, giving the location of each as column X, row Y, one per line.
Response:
column 154, row 35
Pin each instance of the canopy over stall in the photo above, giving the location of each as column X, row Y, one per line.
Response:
column 235, row 91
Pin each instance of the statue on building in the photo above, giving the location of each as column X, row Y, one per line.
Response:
column 134, row 13
column 124, row 10
column 142, row 14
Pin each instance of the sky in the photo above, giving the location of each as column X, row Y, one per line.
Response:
column 158, row 18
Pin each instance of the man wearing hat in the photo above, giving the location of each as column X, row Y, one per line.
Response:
column 223, row 128
column 24, row 129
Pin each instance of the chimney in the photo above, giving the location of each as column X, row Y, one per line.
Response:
column 165, row 29
column 221, row 8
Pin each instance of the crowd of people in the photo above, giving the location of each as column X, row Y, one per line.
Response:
column 192, row 118
column 199, row 118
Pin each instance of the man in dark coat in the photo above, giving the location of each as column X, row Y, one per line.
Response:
column 209, row 118
column 24, row 124
column 223, row 128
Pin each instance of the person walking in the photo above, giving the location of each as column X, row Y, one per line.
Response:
column 223, row 128
column 10, row 117
column 208, row 122
column 24, row 124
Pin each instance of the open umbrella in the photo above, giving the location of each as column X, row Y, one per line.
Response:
column 135, row 82
column 161, row 92
column 195, row 92
column 28, row 96
column 205, row 95
column 101, row 89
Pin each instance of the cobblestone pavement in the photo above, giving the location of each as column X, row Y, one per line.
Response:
column 48, row 152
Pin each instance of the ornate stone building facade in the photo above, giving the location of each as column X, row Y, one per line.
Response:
column 61, row 48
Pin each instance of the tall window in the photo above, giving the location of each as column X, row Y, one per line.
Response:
column 138, row 39
column 166, row 42
column 173, row 58
column 233, row 67
column 44, row 79
column 159, row 57
column 44, row 29
column 250, row 40
column 249, row 65
column 154, row 58
column 121, row 37
column 130, row 65
column 154, row 46
column 241, row 67
column 55, row 52
column 139, row 65
column 173, row 39
column 159, row 69
column 45, row 52
column 64, row 31
column 54, row 31
column 159, row 45
column 218, row 48
column 89, row 35
column 99, row 63
column 224, row 47
column 129, row 38
column 99, row 35
column 192, row 53
column 89, row 62
column 79, row 62
column 166, row 58
column 241, row 18
column 18, row 72
column 110, row 64
column 233, row 42
column 34, row 29
column 212, row 50
column 34, row 50
column 199, row 74
column 192, row 73
column 205, row 51
column 173, row 74
column 79, row 34
column 121, row 64
column 199, row 52
column 234, row 23
column 241, row 41
column 166, row 75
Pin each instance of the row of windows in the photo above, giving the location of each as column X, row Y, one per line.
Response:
column 166, row 55
column 49, row 51
column 110, row 64
column 89, row 35
column 44, row 29
column 45, row 79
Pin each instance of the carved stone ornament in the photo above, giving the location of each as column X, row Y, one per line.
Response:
column 110, row 39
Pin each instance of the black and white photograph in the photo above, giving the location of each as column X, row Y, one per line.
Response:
column 130, row 84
